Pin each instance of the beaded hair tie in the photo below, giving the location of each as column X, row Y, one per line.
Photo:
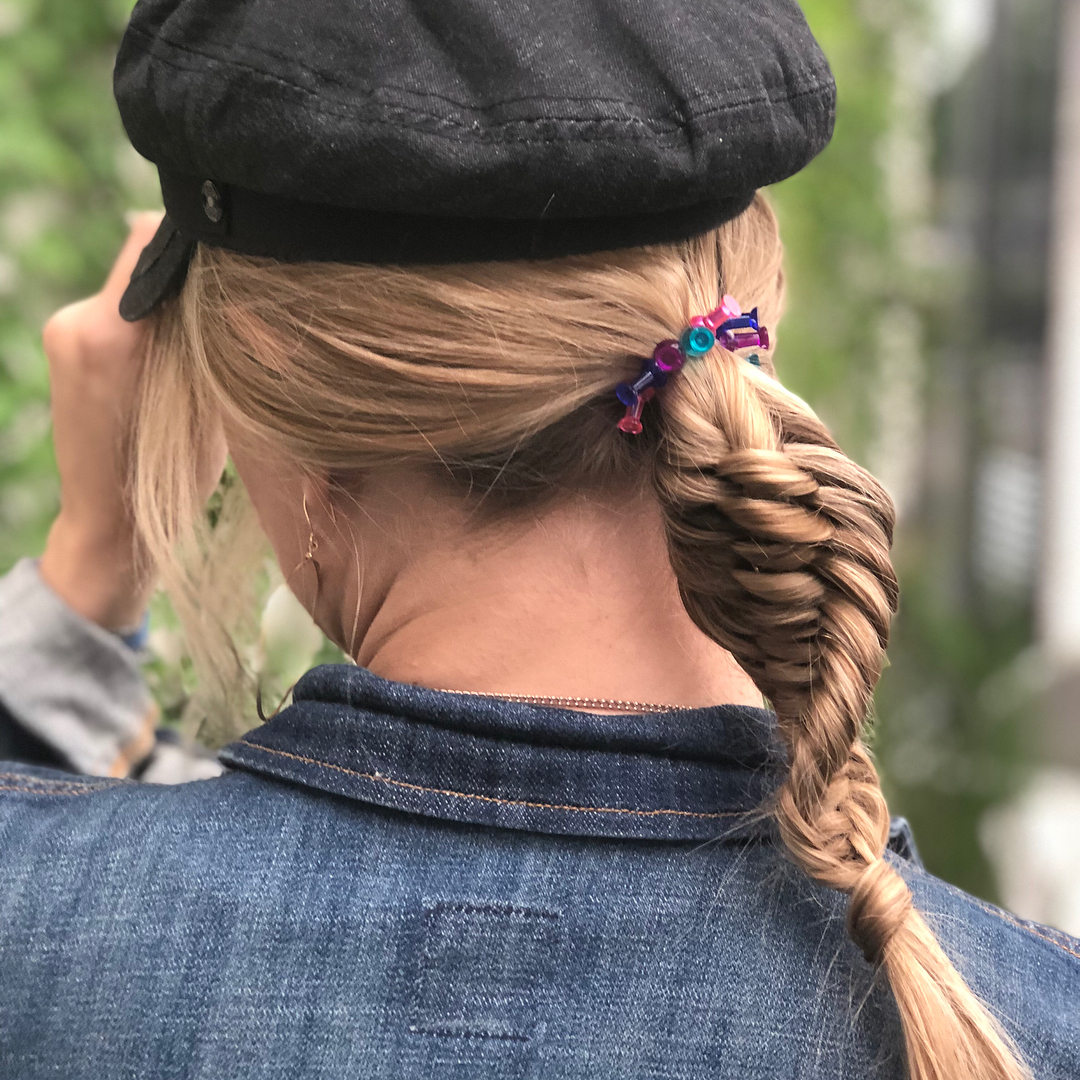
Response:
column 727, row 324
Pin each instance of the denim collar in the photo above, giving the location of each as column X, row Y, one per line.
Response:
column 693, row 774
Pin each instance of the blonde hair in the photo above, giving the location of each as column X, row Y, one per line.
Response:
column 501, row 376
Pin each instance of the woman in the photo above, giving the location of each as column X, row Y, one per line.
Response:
column 572, row 530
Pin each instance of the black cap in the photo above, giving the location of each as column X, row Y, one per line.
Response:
column 407, row 131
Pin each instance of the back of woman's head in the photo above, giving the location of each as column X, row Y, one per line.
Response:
column 499, row 378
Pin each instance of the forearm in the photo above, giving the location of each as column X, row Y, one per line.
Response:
column 67, row 678
column 96, row 573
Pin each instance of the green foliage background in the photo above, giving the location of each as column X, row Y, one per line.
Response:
column 67, row 176
column 960, row 697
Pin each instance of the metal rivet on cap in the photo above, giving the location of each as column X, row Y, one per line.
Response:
column 211, row 201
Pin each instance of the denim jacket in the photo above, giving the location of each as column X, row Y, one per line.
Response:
column 395, row 883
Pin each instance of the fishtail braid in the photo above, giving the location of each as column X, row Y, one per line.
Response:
column 780, row 545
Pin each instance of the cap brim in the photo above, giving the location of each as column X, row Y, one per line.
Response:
column 292, row 230
column 159, row 273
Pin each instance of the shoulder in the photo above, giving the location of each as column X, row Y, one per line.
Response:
column 72, row 847
column 976, row 928
column 80, row 819
column 48, row 793
column 57, row 826
column 18, row 779
column 1027, row 973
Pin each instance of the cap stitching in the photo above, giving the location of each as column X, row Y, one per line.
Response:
column 379, row 778
column 675, row 131
column 328, row 77
column 671, row 117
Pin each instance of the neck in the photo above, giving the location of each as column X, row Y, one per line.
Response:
column 578, row 602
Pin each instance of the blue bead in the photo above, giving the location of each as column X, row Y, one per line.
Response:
column 754, row 359
column 697, row 340
column 626, row 394
column 659, row 375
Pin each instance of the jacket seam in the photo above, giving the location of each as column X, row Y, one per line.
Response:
column 467, row 1033
column 1004, row 916
column 380, row 778
column 73, row 789
column 653, row 125
column 47, row 785
column 461, row 908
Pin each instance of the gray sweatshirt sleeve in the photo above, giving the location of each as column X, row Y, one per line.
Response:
column 70, row 682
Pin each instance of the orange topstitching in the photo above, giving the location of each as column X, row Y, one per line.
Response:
column 67, row 789
column 46, row 787
column 1006, row 917
column 487, row 798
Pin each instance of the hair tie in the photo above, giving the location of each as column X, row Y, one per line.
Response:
column 727, row 324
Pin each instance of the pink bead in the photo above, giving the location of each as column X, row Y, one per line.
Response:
column 731, row 306
column 728, row 309
column 698, row 320
column 631, row 422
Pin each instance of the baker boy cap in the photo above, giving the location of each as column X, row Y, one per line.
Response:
column 411, row 131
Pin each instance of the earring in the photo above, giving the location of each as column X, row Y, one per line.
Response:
column 313, row 546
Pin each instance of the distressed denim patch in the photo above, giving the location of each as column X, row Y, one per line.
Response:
column 485, row 970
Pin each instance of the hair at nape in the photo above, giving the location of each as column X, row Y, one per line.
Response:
column 501, row 375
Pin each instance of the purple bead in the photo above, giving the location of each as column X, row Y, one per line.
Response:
column 744, row 338
column 668, row 357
